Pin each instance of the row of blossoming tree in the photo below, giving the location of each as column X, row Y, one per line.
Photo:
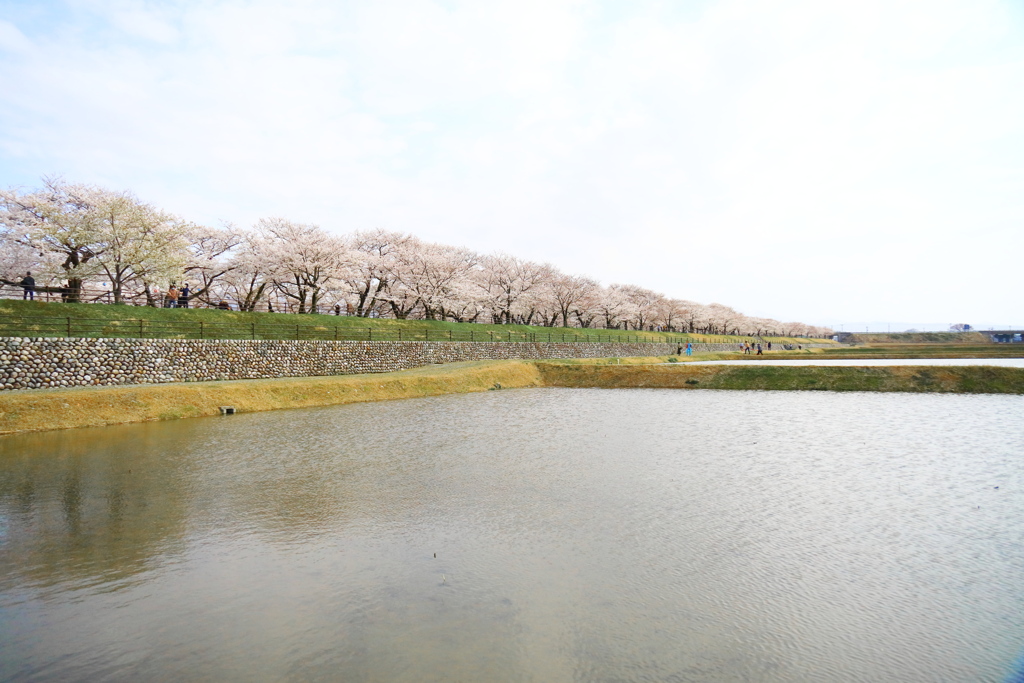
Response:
column 78, row 234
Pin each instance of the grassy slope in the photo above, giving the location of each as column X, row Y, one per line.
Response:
column 47, row 409
column 24, row 318
column 895, row 351
column 966, row 379
column 919, row 338
column 988, row 350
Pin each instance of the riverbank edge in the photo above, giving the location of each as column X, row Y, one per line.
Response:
column 51, row 409
column 976, row 379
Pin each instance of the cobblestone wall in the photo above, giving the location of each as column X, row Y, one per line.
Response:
column 31, row 363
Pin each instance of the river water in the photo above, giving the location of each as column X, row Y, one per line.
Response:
column 580, row 535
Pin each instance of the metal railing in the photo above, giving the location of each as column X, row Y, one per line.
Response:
column 103, row 295
column 92, row 295
column 73, row 326
column 271, row 303
column 70, row 326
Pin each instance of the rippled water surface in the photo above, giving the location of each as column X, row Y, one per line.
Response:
column 580, row 535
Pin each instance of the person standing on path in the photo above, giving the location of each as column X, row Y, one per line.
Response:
column 759, row 350
column 183, row 297
column 29, row 283
column 172, row 297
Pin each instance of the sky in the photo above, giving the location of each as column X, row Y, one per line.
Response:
column 822, row 162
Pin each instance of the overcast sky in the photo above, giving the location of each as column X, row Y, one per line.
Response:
column 807, row 160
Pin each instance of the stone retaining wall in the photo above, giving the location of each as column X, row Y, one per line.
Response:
column 32, row 363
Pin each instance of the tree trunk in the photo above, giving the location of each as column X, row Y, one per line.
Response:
column 74, row 290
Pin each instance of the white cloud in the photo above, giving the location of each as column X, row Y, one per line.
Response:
column 746, row 154
column 12, row 40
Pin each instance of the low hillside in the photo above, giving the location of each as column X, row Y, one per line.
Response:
column 40, row 319
column 919, row 338
column 908, row 378
column 989, row 350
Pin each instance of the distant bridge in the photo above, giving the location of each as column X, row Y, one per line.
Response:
column 1004, row 336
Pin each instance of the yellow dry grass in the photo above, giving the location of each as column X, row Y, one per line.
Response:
column 29, row 411
column 46, row 409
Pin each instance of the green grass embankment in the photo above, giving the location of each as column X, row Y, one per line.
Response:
column 47, row 409
column 951, row 379
column 918, row 338
column 903, row 351
column 41, row 319
column 893, row 351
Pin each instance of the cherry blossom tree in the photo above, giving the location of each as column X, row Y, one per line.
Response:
column 569, row 292
column 375, row 254
column 140, row 243
column 212, row 255
column 721, row 319
column 81, row 232
column 609, row 304
column 641, row 305
column 672, row 314
column 307, row 260
column 57, row 221
column 586, row 311
column 506, row 283
column 15, row 260
column 244, row 276
column 435, row 278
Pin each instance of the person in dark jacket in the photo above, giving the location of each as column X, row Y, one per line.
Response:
column 183, row 296
column 29, row 283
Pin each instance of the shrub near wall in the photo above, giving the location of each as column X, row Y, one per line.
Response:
column 31, row 363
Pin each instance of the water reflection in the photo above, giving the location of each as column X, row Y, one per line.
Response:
column 93, row 504
column 579, row 535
